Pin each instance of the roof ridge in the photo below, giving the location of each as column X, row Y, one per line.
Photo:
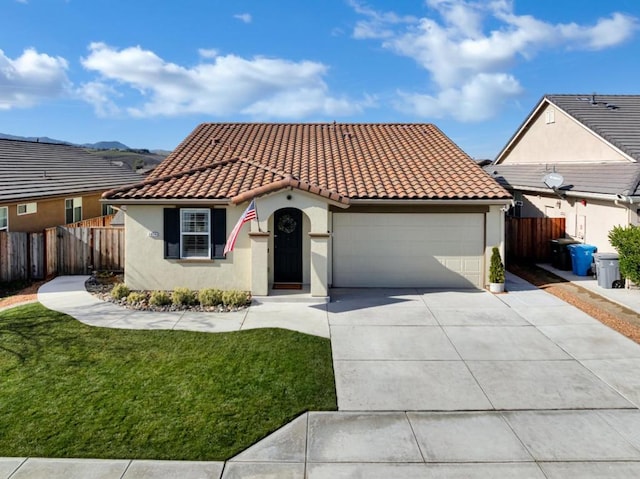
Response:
column 171, row 176
column 267, row 168
column 288, row 179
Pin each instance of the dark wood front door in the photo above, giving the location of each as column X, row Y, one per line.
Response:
column 287, row 243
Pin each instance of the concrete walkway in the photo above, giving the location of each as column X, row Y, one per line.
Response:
column 431, row 384
column 67, row 294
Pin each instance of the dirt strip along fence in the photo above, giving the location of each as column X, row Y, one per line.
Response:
column 70, row 249
column 529, row 239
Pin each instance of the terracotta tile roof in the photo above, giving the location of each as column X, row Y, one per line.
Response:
column 236, row 161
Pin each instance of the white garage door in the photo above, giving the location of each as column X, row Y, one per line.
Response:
column 408, row 250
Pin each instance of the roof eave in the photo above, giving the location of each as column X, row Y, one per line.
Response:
column 440, row 201
column 631, row 199
column 164, row 201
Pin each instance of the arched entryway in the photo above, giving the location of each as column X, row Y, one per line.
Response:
column 287, row 246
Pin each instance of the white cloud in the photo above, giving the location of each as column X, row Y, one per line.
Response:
column 99, row 95
column 463, row 56
column 243, row 17
column 223, row 85
column 377, row 24
column 208, row 52
column 31, row 78
column 607, row 32
column 478, row 99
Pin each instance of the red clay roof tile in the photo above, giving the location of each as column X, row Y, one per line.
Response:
column 340, row 161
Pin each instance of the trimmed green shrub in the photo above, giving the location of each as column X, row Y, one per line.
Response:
column 183, row 296
column 160, row 298
column 210, row 297
column 136, row 297
column 496, row 269
column 235, row 298
column 626, row 241
column 120, row 291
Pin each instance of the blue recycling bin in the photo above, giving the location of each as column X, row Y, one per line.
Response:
column 581, row 258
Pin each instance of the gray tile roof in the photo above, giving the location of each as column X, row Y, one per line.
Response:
column 599, row 178
column 31, row 170
column 615, row 118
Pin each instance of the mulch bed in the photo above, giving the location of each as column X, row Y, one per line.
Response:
column 101, row 284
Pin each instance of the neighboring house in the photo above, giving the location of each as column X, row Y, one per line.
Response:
column 342, row 205
column 43, row 184
column 577, row 157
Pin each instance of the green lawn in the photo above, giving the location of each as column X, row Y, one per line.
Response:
column 70, row 390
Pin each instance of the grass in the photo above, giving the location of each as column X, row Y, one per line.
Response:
column 70, row 390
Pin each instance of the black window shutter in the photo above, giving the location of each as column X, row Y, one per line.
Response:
column 218, row 232
column 172, row 233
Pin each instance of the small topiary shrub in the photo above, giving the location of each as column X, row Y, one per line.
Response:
column 183, row 296
column 135, row 297
column 160, row 298
column 235, row 298
column 496, row 269
column 210, row 297
column 120, row 291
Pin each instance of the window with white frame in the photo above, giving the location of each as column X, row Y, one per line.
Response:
column 73, row 210
column 4, row 218
column 27, row 208
column 194, row 233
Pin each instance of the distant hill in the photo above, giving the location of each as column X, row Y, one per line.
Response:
column 42, row 139
column 134, row 159
column 107, row 145
column 112, row 150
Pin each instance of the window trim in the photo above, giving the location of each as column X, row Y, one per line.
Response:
column 206, row 233
column 73, row 209
column 6, row 226
column 29, row 208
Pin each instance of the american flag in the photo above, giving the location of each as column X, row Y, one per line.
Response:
column 249, row 214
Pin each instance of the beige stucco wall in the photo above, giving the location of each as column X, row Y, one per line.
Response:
column 244, row 268
column 589, row 223
column 50, row 212
column 564, row 140
column 146, row 267
column 315, row 219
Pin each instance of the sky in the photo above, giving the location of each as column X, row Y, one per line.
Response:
column 147, row 72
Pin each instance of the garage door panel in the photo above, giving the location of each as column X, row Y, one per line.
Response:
column 408, row 250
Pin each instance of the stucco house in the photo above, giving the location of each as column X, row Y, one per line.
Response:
column 45, row 184
column 338, row 205
column 577, row 157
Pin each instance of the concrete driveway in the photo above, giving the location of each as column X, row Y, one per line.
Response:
column 433, row 350
column 438, row 385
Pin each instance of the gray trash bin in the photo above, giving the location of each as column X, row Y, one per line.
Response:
column 607, row 269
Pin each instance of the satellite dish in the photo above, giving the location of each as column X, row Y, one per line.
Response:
column 553, row 180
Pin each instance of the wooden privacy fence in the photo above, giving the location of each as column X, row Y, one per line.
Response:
column 97, row 222
column 60, row 250
column 21, row 256
column 82, row 250
column 528, row 239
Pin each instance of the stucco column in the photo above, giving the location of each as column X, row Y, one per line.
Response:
column 319, row 271
column 259, row 263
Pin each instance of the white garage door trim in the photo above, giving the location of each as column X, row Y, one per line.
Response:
column 408, row 250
